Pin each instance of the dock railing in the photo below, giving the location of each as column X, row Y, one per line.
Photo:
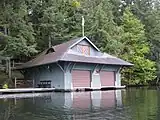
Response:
column 22, row 83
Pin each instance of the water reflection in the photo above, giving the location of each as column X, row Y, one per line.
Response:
column 64, row 106
column 130, row 104
column 142, row 103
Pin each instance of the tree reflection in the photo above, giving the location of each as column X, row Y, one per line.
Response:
column 141, row 104
column 7, row 109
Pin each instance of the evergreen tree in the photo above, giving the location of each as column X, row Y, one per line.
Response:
column 56, row 21
column 102, row 29
column 27, row 23
column 153, row 35
column 135, row 50
column 19, row 37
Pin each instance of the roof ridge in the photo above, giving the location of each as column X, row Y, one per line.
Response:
column 74, row 40
column 68, row 41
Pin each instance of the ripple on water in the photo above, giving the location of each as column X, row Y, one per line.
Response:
column 132, row 104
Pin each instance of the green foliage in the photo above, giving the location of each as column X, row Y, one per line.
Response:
column 76, row 4
column 19, row 38
column 56, row 21
column 153, row 35
column 5, row 86
column 102, row 29
column 135, row 50
column 33, row 25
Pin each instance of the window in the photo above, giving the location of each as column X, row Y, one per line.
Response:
column 84, row 49
column 50, row 50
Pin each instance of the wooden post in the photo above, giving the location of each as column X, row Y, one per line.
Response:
column 82, row 26
column 33, row 83
column 15, row 82
column 49, row 42
column 13, row 64
column 9, row 68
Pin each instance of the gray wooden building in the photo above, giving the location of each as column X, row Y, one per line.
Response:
column 75, row 64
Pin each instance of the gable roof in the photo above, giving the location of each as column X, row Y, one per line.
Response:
column 61, row 53
column 82, row 38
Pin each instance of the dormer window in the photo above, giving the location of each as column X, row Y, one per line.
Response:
column 50, row 50
column 84, row 49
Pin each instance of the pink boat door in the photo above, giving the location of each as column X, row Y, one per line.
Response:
column 107, row 78
column 81, row 78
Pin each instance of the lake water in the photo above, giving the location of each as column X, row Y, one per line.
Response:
column 129, row 104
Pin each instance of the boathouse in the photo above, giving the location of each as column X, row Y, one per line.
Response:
column 75, row 64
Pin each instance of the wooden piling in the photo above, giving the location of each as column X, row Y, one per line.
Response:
column 15, row 82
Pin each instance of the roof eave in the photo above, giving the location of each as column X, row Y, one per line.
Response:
column 126, row 65
column 26, row 67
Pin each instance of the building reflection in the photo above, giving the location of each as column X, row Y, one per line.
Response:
column 94, row 99
column 78, row 100
column 72, row 104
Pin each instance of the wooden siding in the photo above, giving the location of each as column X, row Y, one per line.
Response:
column 50, row 72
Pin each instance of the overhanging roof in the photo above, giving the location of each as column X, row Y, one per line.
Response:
column 94, row 59
column 61, row 54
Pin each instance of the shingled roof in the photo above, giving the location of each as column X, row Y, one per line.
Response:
column 62, row 53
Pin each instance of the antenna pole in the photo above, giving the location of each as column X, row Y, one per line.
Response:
column 49, row 42
column 82, row 26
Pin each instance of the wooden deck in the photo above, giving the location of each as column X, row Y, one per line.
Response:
column 37, row 90
column 25, row 90
column 24, row 95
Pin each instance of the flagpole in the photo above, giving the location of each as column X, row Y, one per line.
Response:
column 82, row 26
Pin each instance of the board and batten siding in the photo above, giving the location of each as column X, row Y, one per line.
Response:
column 63, row 80
column 48, row 72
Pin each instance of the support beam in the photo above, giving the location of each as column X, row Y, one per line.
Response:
column 94, row 68
column 101, row 68
column 68, row 66
column 120, row 69
column 72, row 67
column 60, row 67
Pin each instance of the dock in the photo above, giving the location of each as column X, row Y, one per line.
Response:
column 38, row 90
column 101, row 88
column 25, row 90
